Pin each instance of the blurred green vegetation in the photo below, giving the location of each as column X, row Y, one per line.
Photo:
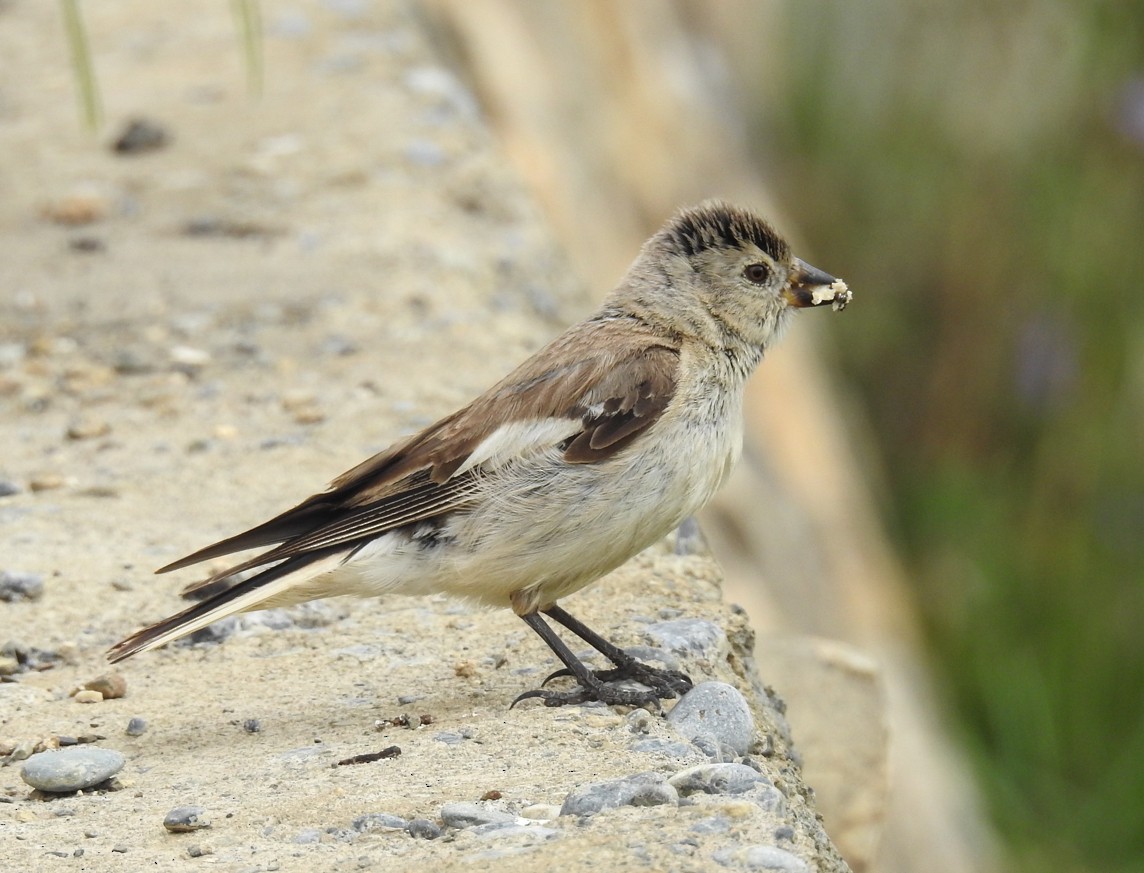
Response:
column 976, row 172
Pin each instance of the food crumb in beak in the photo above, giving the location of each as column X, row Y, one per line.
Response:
column 836, row 294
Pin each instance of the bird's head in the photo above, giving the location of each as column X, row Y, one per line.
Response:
column 731, row 265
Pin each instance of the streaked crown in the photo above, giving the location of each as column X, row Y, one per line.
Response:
column 715, row 224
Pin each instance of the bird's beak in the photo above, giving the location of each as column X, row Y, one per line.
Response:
column 810, row 286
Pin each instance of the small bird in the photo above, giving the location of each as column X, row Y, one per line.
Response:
column 587, row 453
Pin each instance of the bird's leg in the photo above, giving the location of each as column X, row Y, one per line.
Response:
column 591, row 687
column 663, row 683
column 666, row 683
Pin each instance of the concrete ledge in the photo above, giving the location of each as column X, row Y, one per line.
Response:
column 198, row 337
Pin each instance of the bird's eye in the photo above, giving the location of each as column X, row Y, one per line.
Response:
column 757, row 273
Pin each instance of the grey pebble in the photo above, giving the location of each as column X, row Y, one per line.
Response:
column 8, row 488
column 709, row 745
column 716, row 779
column 252, row 725
column 136, row 726
column 762, row 858
column 423, row 829
column 655, row 746
column 465, row 814
column 689, row 636
column 71, row 769
column 642, row 789
column 29, row 657
column 508, row 829
column 768, row 798
column 373, row 821
column 308, row 835
column 639, row 721
column 275, row 619
column 184, row 819
column 718, row 709
column 16, row 586
column 717, row 824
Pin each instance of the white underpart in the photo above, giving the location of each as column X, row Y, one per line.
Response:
column 519, row 439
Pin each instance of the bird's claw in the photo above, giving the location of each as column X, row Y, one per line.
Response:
column 661, row 684
column 609, row 695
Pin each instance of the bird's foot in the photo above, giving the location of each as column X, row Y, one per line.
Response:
column 612, row 695
column 607, row 686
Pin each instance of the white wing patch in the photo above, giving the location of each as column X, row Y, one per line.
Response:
column 519, row 439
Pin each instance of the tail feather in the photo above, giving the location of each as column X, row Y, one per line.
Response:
column 272, row 584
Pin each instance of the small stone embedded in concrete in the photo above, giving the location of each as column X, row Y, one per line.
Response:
column 718, row 709
column 46, row 482
column 540, row 811
column 140, row 135
column 71, row 769
column 136, row 726
column 506, row 829
column 184, row 819
column 16, row 586
column 423, row 829
column 252, row 725
column 308, row 835
column 88, row 696
column 373, row 821
column 642, row 789
column 111, row 685
column 199, row 849
column 768, row 798
column 656, row 746
column 691, row 637
column 639, row 721
column 706, row 742
column 88, row 428
column 464, row 814
column 761, row 858
column 716, row 779
column 717, row 824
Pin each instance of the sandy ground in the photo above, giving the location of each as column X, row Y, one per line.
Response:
column 195, row 338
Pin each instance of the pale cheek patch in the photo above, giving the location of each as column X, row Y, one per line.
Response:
column 519, row 439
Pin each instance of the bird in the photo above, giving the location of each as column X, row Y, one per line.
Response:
column 591, row 450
